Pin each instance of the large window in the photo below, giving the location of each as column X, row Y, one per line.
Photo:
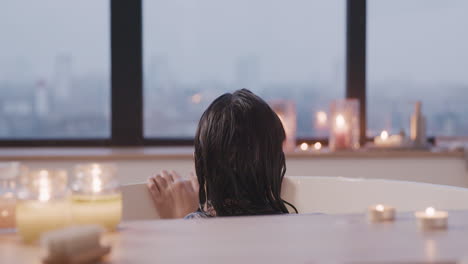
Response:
column 54, row 69
column 196, row 50
column 168, row 60
column 418, row 50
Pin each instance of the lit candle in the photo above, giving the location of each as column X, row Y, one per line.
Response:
column 304, row 146
column 380, row 213
column 42, row 204
column 286, row 112
column 96, row 198
column 341, row 133
column 8, row 174
column 321, row 118
column 317, row 146
column 7, row 211
column 386, row 140
column 432, row 219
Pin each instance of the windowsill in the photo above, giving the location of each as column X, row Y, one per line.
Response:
column 150, row 153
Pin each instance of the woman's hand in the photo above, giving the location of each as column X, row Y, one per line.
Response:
column 174, row 196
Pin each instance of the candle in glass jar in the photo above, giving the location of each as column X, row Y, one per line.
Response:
column 96, row 198
column 43, row 205
column 8, row 174
column 7, row 212
column 341, row 133
column 432, row 219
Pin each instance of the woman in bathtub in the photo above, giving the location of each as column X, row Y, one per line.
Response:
column 239, row 163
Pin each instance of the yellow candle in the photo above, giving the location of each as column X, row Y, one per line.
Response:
column 42, row 204
column 105, row 210
column 36, row 217
column 96, row 198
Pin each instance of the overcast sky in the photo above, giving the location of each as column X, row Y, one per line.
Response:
column 294, row 41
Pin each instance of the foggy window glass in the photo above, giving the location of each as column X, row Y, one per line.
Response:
column 54, row 69
column 417, row 50
column 195, row 51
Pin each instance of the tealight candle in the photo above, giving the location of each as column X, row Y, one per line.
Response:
column 317, row 146
column 304, row 146
column 432, row 219
column 42, row 204
column 380, row 213
column 96, row 198
column 386, row 140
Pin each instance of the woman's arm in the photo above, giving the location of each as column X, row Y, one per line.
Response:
column 173, row 196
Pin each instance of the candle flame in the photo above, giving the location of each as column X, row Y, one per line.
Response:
column 317, row 146
column 321, row 117
column 379, row 208
column 96, row 180
column 44, row 186
column 304, row 146
column 430, row 211
column 340, row 121
column 384, row 135
column 5, row 213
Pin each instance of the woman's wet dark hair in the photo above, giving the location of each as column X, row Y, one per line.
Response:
column 239, row 158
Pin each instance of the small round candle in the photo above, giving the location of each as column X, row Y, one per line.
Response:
column 317, row 146
column 432, row 219
column 380, row 213
column 304, row 146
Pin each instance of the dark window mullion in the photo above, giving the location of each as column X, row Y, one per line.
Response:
column 356, row 58
column 126, row 58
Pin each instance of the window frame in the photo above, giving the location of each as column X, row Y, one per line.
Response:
column 126, row 49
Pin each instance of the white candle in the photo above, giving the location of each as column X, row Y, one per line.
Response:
column 321, row 118
column 380, row 213
column 304, row 146
column 432, row 219
column 386, row 140
column 317, row 146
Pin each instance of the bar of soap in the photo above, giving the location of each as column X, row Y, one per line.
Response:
column 80, row 244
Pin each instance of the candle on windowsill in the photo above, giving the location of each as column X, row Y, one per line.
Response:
column 304, row 146
column 344, row 125
column 317, row 146
column 381, row 213
column 96, row 198
column 341, row 133
column 42, row 204
column 386, row 140
column 430, row 219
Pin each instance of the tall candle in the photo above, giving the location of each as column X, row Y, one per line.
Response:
column 7, row 212
column 43, row 205
column 9, row 171
column 340, row 130
column 96, row 198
